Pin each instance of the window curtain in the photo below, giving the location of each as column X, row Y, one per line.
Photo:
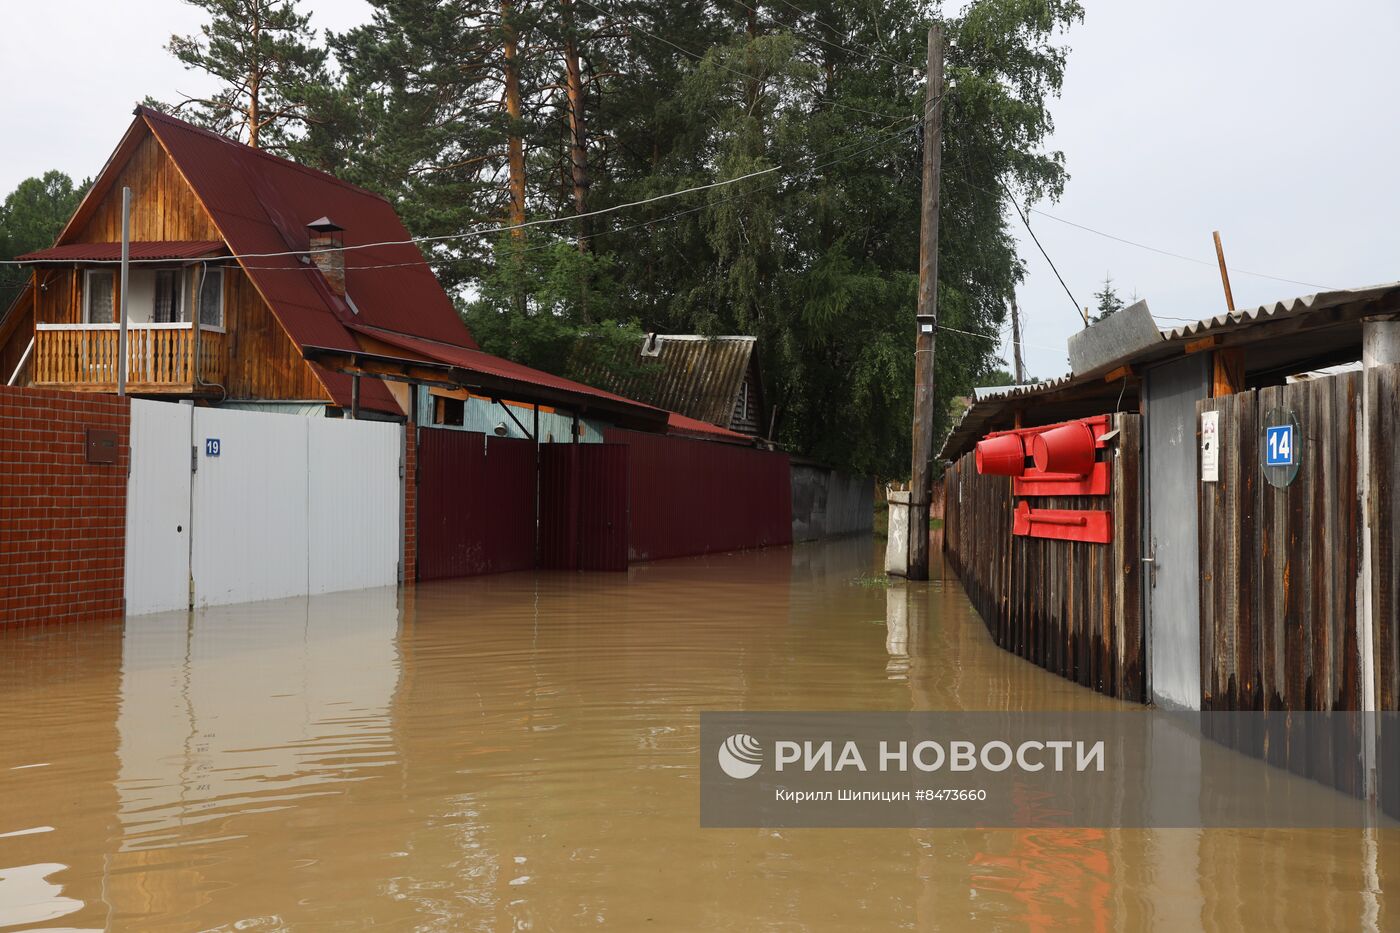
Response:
column 101, row 298
column 211, row 298
column 167, row 297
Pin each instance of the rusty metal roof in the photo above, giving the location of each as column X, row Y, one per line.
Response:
column 697, row 376
column 1280, row 332
column 109, row 252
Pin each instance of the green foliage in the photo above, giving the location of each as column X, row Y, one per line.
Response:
column 1106, row 300
column 262, row 52
column 817, row 256
column 30, row 219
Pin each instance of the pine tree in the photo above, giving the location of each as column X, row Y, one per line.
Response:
column 1107, row 300
column 263, row 54
column 817, row 256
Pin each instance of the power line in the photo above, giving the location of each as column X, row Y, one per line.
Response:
column 486, row 231
column 887, row 137
column 1053, row 269
column 999, row 337
column 867, row 49
column 748, row 76
column 1154, row 249
column 480, row 231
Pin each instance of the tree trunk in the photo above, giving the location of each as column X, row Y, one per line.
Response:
column 254, row 82
column 515, row 139
column 578, row 132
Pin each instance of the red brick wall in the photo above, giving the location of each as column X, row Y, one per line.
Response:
column 410, row 502
column 62, row 519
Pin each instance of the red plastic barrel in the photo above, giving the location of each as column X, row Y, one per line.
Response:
column 1067, row 449
column 1004, row 455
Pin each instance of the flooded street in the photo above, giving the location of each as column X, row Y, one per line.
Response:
column 520, row 752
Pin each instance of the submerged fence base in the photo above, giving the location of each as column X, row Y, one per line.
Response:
column 1072, row 607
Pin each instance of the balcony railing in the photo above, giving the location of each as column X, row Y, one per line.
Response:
column 160, row 357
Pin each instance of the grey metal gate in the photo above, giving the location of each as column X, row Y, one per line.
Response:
column 1171, row 547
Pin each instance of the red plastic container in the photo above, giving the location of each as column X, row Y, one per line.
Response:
column 1001, row 455
column 1068, row 449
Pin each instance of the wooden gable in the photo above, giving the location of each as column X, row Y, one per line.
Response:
column 163, row 206
column 263, row 362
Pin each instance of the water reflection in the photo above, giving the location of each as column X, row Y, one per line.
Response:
column 520, row 751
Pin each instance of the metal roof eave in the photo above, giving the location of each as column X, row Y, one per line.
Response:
column 429, row 372
column 1293, row 319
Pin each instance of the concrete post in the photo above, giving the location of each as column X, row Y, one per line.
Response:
column 897, row 533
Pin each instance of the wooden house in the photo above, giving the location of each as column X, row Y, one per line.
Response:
column 254, row 282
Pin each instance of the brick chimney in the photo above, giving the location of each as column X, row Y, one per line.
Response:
column 326, row 251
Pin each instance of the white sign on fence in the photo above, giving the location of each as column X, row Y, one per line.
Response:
column 1210, row 446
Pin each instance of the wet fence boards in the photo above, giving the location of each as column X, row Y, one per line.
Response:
column 1383, row 424
column 1073, row 608
column 1280, row 568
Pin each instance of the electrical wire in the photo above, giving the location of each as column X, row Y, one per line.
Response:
column 1020, row 213
column 999, row 338
column 1154, row 249
column 868, row 50
column 487, row 231
column 748, row 76
column 827, row 42
column 887, row 137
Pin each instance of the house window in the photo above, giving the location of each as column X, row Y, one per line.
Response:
column 450, row 411
column 210, row 286
column 166, row 308
column 99, row 297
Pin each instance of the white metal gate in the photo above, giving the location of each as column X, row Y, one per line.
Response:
column 277, row 506
column 158, row 508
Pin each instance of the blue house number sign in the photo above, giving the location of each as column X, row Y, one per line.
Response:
column 1278, row 445
column 211, row 447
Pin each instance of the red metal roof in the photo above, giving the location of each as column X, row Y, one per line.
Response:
column 261, row 203
column 679, row 424
column 103, row 252
column 482, row 362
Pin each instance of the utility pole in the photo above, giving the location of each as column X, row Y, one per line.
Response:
column 1016, row 343
column 125, row 279
column 1224, row 273
column 919, row 478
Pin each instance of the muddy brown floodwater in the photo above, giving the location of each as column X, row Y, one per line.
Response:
column 520, row 752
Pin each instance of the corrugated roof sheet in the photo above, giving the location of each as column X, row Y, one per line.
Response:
column 697, row 376
column 991, row 403
column 104, row 252
column 479, row 361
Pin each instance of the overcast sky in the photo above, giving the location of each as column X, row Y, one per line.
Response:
column 1270, row 120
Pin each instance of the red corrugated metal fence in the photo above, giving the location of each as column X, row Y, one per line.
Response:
column 697, row 497
column 583, row 506
column 476, row 504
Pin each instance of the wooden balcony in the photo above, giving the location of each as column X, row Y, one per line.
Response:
column 160, row 358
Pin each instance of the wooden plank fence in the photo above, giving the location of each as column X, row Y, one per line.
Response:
column 1280, row 569
column 1383, row 424
column 1072, row 608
